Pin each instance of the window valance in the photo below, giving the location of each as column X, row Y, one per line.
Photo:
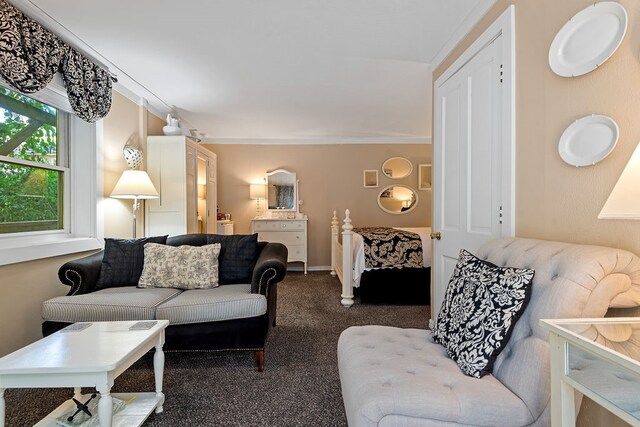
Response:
column 30, row 55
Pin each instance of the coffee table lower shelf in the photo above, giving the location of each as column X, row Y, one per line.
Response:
column 133, row 415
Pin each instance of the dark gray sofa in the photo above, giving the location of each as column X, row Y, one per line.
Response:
column 233, row 316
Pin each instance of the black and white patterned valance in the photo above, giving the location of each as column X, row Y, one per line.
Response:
column 30, row 55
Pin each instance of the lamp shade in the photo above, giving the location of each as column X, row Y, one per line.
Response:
column 624, row 200
column 134, row 184
column 256, row 191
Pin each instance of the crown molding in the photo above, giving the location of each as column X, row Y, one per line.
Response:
column 389, row 140
column 461, row 32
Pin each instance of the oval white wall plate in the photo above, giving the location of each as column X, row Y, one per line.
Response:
column 589, row 38
column 588, row 140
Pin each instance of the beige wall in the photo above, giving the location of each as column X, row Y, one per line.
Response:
column 24, row 286
column 556, row 201
column 126, row 121
column 330, row 179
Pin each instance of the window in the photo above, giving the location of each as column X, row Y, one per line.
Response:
column 33, row 164
column 50, row 176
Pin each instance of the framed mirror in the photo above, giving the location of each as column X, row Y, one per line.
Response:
column 424, row 176
column 397, row 199
column 397, row 167
column 370, row 178
column 282, row 191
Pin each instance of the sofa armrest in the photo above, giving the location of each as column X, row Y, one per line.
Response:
column 81, row 274
column 270, row 268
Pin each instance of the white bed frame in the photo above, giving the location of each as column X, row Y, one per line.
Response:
column 341, row 256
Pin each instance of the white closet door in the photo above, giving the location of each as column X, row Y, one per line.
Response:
column 467, row 163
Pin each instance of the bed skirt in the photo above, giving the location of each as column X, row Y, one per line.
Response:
column 402, row 286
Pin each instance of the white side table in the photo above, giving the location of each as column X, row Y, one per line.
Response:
column 91, row 357
column 599, row 358
column 225, row 226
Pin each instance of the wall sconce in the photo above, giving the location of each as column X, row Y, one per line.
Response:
column 257, row 192
column 134, row 185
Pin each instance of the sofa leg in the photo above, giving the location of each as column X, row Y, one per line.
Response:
column 274, row 322
column 260, row 360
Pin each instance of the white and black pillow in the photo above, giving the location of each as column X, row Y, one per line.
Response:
column 482, row 305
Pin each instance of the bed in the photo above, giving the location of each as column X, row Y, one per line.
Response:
column 390, row 284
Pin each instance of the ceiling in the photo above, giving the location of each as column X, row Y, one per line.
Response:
column 278, row 70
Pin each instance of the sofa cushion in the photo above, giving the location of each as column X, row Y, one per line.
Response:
column 123, row 303
column 482, row 304
column 123, row 260
column 393, row 376
column 238, row 255
column 182, row 267
column 211, row 305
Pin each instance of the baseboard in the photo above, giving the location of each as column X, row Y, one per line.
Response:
column 311, row 268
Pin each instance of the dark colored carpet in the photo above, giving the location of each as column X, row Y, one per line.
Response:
column 300, row 384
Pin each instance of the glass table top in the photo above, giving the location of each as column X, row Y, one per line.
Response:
column 604, row 358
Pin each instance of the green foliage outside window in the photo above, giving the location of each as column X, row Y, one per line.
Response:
column 30, row 196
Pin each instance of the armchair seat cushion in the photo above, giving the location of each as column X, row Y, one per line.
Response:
column 211, row 305
column 405, row 379
column 111, row 304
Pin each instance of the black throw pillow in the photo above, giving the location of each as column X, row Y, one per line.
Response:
column 123, row 261
column 238, row 255
column 482, row 304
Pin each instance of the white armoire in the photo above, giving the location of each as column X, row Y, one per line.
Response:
column 184, row 174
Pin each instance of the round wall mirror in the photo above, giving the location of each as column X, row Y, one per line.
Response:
column 397, row 199
column 397, row 167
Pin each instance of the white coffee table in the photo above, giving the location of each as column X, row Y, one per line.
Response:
column 91, row 357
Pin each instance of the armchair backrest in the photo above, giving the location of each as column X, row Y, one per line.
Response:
column 571, row 281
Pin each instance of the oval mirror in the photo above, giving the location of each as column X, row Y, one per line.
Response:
column 397, row 167
column 397, row 199
column 281, row 191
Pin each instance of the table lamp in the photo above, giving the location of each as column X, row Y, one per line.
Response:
column 257, row 192
column 136, row 185
column 624, row 200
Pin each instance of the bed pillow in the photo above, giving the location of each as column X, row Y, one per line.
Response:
column 482, row 304
column 123, row 260
column 181, row 267
column 238, row 255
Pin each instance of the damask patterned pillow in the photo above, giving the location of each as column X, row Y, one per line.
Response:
column 123, row 260
column 181, row 267
column 482, row 304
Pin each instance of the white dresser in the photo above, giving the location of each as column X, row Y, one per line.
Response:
column 290, row 232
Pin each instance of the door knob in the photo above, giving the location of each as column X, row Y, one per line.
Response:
column 436, row 236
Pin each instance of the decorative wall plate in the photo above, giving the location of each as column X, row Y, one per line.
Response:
column 589, row 38
column 588, row 140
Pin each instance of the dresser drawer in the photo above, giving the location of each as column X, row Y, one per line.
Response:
column 291, row 238
column 279, row 225
column 297, row 253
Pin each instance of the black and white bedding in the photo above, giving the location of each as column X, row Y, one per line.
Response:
column 392, row 248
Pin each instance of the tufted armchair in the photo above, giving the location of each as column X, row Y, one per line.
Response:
column 400, row 377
